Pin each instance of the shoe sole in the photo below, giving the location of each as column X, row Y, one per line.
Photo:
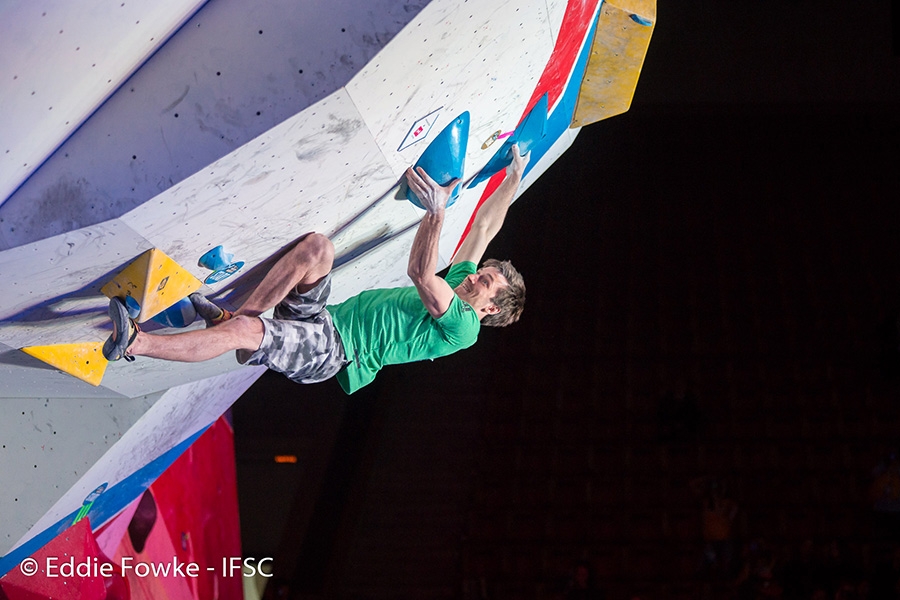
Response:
column 117, row 343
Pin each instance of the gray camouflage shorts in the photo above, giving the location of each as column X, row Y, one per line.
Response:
column 301, row 341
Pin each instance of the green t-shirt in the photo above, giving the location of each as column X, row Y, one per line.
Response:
column 392, row 326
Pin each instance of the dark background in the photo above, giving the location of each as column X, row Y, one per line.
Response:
column 712, row 292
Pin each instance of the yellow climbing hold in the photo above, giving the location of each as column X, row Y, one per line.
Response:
column 154, row 281
column 84, row 361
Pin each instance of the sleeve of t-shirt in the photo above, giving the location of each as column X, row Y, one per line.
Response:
column 459, row 324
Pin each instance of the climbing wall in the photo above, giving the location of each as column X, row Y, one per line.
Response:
column 253, row 124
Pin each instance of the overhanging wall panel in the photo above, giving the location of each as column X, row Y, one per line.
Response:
column 213, row 87
column 61, row 59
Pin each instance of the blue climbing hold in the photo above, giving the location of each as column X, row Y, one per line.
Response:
column 445, row 156
column 215, row 259
column 132, row 306
column 641, row 20
column 529, row 132
column 180, row 314
column 221, row 263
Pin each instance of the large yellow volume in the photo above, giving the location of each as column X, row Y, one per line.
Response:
column 84, row 361
column 155, row 281
column 617, row 56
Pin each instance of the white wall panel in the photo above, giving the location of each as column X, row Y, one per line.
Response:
column 173, row 417
column 57, row 441
column 61, row 59
column 215, row 86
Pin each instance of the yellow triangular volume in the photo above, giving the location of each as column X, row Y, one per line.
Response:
column 155, row 281
column 84, row 361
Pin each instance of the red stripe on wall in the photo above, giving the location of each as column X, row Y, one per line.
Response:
column 575, row 26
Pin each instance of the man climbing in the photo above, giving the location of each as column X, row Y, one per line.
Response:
column 310, row 342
